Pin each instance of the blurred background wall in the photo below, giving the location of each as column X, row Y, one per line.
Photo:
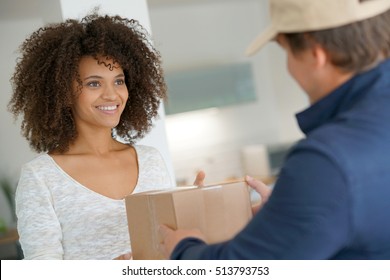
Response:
column 195, row 34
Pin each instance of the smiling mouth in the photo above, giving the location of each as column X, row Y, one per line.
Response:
column 108, row 108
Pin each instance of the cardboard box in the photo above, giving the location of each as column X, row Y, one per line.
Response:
column 219, row 211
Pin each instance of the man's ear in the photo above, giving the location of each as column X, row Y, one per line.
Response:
column 319, row 55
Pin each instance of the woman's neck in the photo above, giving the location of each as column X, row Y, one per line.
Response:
column 94, row 142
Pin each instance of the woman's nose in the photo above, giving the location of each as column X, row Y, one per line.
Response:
column 109, row 93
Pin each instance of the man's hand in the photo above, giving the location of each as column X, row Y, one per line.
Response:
column 262, row 189
column 170, row 238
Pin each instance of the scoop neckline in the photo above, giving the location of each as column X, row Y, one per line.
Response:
column 70, row 178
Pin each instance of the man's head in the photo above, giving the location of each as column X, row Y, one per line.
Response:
column 334, row 39
column 298, row 16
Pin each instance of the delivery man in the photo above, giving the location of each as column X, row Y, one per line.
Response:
column 331, row 200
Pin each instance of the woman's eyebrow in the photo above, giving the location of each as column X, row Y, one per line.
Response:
column 93, row 77
column 100, row 77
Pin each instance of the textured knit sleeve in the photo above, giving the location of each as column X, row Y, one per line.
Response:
column 165, row 176
column 153, row 170
column 38, row 226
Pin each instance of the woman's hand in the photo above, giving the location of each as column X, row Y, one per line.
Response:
column 262, row 189
column 170, row 238
column 127, row 256
column 199, row 180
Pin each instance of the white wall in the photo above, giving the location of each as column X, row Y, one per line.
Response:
column 17, row 20
column 200, row 33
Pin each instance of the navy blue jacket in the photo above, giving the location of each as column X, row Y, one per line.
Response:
column 332, row 198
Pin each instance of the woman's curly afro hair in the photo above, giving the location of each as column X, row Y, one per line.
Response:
column 42, row 82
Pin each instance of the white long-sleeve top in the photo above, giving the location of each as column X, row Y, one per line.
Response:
column 59, row 218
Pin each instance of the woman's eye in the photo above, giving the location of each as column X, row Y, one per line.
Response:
column 93, row 84
column 120, row 82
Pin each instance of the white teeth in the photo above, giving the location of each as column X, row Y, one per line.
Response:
column 107, row 108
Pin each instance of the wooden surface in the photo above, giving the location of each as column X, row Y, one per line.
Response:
column 9, row 237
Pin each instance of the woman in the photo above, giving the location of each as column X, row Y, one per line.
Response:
column 79, row 85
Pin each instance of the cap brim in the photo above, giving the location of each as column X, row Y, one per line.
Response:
column 266, row 36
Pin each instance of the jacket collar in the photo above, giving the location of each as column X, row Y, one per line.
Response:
column 342, row 98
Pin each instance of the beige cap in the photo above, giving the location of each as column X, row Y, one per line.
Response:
column 289, row 16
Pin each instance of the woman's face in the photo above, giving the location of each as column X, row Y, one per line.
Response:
column 103, row 94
